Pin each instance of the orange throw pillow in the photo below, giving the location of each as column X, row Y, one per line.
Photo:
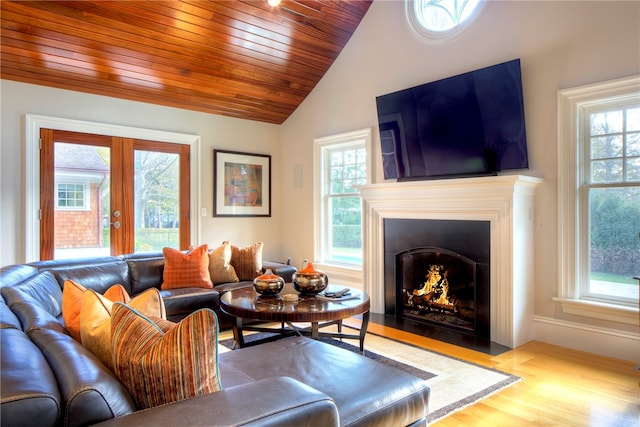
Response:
column 72, row 302
column 190, row 270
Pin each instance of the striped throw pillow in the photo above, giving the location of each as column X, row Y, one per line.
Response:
column 247, row 261
column 159, row 368
column 190, row 270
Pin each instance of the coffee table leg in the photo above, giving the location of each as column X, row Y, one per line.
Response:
column 363, row 330
column 237, row 332
column 314, row 330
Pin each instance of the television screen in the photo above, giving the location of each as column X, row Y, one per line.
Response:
column 467, row 125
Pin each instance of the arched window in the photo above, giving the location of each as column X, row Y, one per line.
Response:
column 435, row 19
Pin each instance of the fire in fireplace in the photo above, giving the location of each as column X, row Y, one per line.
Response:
column 437, row 274
column 438, row 286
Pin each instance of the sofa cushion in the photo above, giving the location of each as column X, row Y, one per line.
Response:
column 28, row 388
column 8, row 318
column 183, row 301
column 160, row 368
column 366, row 391
column 95, row 319
column 72, row 303
column 247, row 261
column 145, row 273
column 272, row 402
column 12, row 274
column 90, row 391
column 34, row 316
column 220, row 268
column 41, row 289
column 98, row 277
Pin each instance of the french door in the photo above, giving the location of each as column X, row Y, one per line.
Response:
column 106, row 195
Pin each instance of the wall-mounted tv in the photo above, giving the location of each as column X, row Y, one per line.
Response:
column 471, row 124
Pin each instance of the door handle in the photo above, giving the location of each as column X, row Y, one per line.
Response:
column 116, row 224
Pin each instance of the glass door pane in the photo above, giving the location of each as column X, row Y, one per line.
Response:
column 81, row 200
column 157, row 200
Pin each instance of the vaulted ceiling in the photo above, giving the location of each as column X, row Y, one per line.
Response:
column 236, row 58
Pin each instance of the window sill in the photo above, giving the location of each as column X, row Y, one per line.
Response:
column 599, row 310
column 341, row 274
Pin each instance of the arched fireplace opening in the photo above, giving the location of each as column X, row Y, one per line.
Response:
column 437, row 274
column 439, row 286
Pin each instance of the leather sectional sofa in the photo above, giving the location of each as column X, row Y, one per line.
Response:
column 50, row 379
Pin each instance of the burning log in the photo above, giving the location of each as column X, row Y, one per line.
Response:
column 434, row 292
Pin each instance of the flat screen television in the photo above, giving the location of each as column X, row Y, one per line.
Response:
column 471, row 124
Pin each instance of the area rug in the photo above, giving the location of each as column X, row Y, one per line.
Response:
column 455, row 384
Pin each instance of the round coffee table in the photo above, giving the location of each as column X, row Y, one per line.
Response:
column 246, row 304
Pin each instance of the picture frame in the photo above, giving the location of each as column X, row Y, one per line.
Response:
column 241, row 184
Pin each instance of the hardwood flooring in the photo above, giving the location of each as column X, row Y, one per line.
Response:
column 560, row 387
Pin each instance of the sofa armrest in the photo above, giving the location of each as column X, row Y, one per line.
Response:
column 283, row 270
column 275, row 401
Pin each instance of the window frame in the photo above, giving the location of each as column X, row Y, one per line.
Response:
column 33, row 124
column 573, row 244
column 321, row 147
column 421, row 31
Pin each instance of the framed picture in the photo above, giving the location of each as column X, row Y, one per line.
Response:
column 241, row 184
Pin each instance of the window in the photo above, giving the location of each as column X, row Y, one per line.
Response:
column 71, row 196
column 342, row 166
column 612, row 192
column 599, row 200
column 435, row 19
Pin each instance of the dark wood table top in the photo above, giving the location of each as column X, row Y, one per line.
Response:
column 248, row 304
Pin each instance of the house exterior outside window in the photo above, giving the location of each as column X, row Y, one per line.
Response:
column 599, row 200
column 71, row 196
column 340, row 166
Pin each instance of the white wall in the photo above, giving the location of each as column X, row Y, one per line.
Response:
column 217, row 132
column 561, row 45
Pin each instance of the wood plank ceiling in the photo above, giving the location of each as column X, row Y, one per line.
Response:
column 240, row 59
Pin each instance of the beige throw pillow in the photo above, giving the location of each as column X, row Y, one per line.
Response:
column 72, row 293
column 220, row 268
column 95, row 320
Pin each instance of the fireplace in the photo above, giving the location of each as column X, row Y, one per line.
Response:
column 437, row 272
column 505, row 204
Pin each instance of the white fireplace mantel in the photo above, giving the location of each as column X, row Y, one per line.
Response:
column 506, row 201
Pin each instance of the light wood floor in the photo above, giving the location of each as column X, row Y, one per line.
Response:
column 560, row 387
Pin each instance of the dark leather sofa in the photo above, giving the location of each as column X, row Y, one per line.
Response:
column 50, row 379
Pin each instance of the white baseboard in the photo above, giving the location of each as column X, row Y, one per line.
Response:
column 592, row 339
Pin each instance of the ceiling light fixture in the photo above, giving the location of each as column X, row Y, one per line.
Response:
column 273, row 3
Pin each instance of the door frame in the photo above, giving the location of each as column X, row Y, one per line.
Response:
column 33, row 124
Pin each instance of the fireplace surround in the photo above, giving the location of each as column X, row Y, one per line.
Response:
column 506, row 202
